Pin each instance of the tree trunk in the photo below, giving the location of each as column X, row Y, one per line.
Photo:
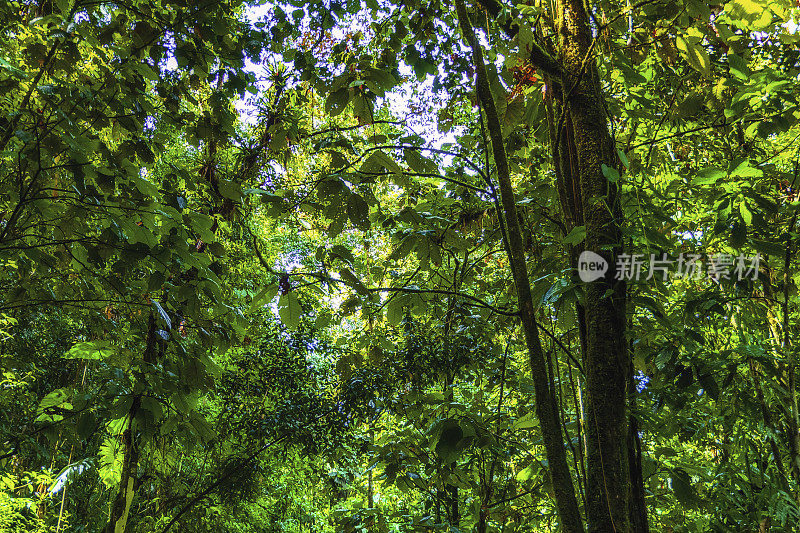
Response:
column 121, row 506
column 638, row 507
column 546, row 408
column 582, row 129
column 607, row 360
column 786, row 346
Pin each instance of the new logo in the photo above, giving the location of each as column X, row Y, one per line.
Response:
column 591, row 266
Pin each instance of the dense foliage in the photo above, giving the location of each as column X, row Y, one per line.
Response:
column 317, row 266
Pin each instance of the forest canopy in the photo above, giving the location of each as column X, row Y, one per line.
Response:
column 344, row 266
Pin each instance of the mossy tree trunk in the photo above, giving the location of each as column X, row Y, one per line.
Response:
column 121, row 505
column 545, row 394
column 607, row 360
column 582, row 145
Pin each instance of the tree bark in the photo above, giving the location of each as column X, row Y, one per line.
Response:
column 546, row 408
column 121, row 506
column 786, row 346
column 637, row 505
column 593, row 202
column 607, row 359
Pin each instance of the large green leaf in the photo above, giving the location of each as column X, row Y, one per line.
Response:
column 694, row 54
column 290, row 310
column 358, row 211
column 91, row 350
column 682, row 487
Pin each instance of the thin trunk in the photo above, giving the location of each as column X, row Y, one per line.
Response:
column 370, row 493
column 455, row 516
column 786, row 344
column 481, row 527
column 767, row 417
column 562, row 146
column 488, row 482
column 638, row 507
column 370, row 490
column 121, row 505
column 370, row 503
column 64, row 493
column 578, row 402
column 451, row 491
column 69, row 461
column 546, row 410
column 120, row 509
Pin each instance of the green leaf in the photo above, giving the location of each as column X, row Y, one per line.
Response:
column 750, row 14
column 610, row 173
column 337, row 101
column 528, row 472
column 202, row 224
column 336, row 226
column 289, row 310
column 343, row 253
column 418, row 163
column 278, row 142
column 230, row 189
column 92, row 350
column 267, row 196
column 264, row 296
column 695, row 55
column 85, row 425
column 738, row 67
column 145, row 153
column 217, row 248
column 665, row 451
column 575, row 236
column 153, row 406
column 744, row 170
column 5, row 65
column 769, row 248
column 352, row 281
column 156, row 280
column 395, row 310
column 527, row 421
column 110, row 459
column 145, row 187
column 407, row 244
column 358, row 211
column 709, row 384
column 513, row 115
column 708, row 176
column 747, row 216
column 379, row 161
column 362, row 109
column 54, row 399
column 333, row 191
column 323, row 320
column 382, row 77
column 682, row 487
column 201, row 427
column 623, row 158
